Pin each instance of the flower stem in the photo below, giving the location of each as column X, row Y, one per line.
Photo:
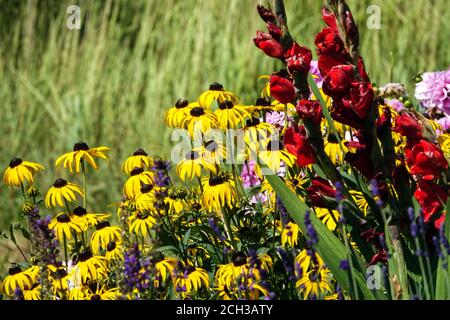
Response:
column 83, row 169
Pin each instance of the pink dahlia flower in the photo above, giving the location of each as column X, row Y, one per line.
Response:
column 434, row 90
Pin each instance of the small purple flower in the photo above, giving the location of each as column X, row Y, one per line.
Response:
column 276, row 118
column 344, row 265
column 395, row 104
column 434, row 90
column 310, row 231
column 445, row 123
column 317, row 76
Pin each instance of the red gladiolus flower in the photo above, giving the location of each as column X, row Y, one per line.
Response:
column 408, row 127
column 269, row 45
column 426, row 160
column 331, row 50
column 297, row 144
column 380, row 256
column 266, row 14
column 275, row 31
column 359, row 99
column 319, row 189
column 338, row 80
column 329, row 18
column 311, row 110
column 298, row 59
column 438, row 222
column 431, row 198
column 282, row 88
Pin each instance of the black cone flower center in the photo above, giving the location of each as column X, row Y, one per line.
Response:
column 193, row 155
column 189, row 269
column 14, row 270
column 111, row 246
column 80, row 146
column 139, row 152
column 239, row 259
column 136, row 171
column 85, row 255
column 275, row 145
column 197, row 111
column 96, row 297
column 63, row 218
column 146, row 188
column 101, row 225
column 215, row 86
column 211, row 146
column 60, row 273
column 226, row 105
column 79, row 211
column 215, row 180
column 253, row 122
column 59, row 183
column 181, row 103
column 15, row 162
column 332, row 138
column 262, row 102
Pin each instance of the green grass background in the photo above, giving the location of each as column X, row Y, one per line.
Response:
column 111, row 82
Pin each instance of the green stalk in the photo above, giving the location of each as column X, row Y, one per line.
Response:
column 83, row 170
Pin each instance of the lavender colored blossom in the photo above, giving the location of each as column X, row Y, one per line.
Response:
column 276, row 118
column 445, row 123
column 216, row 229
column 344, row 265
column 310, row 231
column 434, row 90
column 287, row 263
column 136, row 270
column 317, row 76
column 395, row 104
column 284, row 215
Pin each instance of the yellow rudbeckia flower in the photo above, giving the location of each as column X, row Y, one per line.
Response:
column 19, row 172
column 81, row 151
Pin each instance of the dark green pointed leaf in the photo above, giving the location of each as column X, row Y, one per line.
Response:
column 329, row 247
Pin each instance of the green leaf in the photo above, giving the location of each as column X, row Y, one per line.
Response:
column 11, row 234
column 442, row 275
column 24, row 231
column 329, row 247
column 186, row 237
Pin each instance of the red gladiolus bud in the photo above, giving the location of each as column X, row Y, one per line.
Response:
column 408, row 127
column 438, row 222
column 275, row 31
column 297, row 144
column 430, row 197
column 351, row 28
column 282, row 89
column 329, row 18
column 380, row 256
column 298, row 59
column 266, row 14
column 362, row 70
column 426, row 160
column 269, row 45
column 311, row 110
column 319, row 189
column 338, row 80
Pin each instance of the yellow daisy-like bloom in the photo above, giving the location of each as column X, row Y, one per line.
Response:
column 104, row 234
column 257, row 133
column 305, row 262
column 334, row 151
column 328, row 218
column 212, row 151
column 273, row 156
column 20, row 171
column 145, row 201
column 361, row 202
column 216, row 93
column 34, row 293
column 265, row 93
column 444, row 143
column 16, row 279
column 230, row 115
column 140, row 222
column 165, row 267
column 103, row 294
column 88, row 268
column 139, row 159
column 200, row 120
column 315, row 283
column 225, row 292
column 81, row 151
column 191, row 280
column 175, row 116
column 132, row 187
column 176, row 203
column 59, row 279
column 78, row 293
column 289, row 233
column 260, row 105
column 87, row 219
column 241, row 266
column 218, row 191
column 281, row 107
column 60, row 192
column 65, row 226
column 191, row 166
column 114, row 251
